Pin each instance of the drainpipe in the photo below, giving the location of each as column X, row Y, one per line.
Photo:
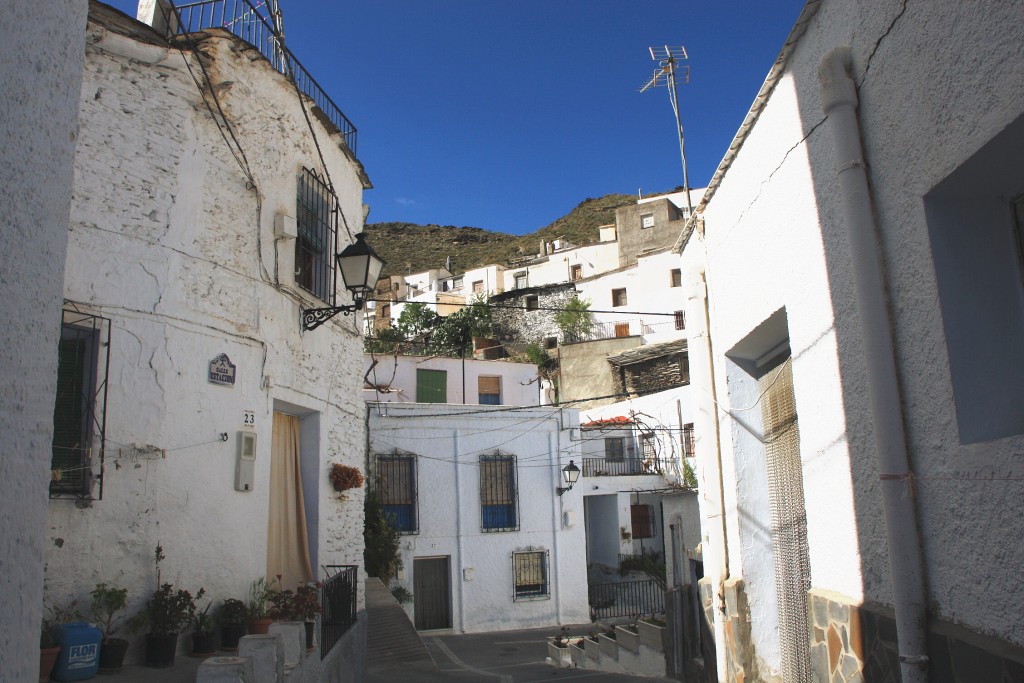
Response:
column 702, row 374
column 458, row 575
column 839, row 101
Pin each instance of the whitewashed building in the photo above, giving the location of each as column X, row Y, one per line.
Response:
column 855, row 320
column 435, row 379
column 488, row 543
column 193, row 410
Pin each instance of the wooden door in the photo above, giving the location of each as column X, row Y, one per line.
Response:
column 432, row 592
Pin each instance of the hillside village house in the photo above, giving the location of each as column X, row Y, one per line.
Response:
column 435, row 379
column 855, row 318
column 42, row 44
column 488, row 541
column 193, row 410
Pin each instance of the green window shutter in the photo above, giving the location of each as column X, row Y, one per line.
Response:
column 431, row 386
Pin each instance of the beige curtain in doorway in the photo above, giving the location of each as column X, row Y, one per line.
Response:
column 287, row 549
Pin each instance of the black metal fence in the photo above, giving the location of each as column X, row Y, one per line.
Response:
column 625, row 599
column 247, row 21
column 602, row 467
column 338, row 601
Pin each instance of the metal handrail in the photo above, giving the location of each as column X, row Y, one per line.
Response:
column 243, row 19
column 338, row 599
column 602, row 467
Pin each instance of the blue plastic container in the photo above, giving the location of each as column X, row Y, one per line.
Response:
column 79, row 651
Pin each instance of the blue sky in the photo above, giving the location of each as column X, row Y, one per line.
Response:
column 506, row 115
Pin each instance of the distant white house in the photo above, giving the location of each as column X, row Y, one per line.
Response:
column 435, row 379
column 488, row 543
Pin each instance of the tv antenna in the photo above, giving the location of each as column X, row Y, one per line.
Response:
column 668, row 72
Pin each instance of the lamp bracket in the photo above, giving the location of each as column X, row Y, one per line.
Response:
column 313, row 318
column 562, row 489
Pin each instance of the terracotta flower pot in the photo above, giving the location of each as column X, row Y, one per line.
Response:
column 47, row 658
column 260, row 626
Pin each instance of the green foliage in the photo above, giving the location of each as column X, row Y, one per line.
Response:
column 107, row 602
column 454, row 335
column 168, row 611
column 232, row 612
column 401, row 594
column 546, row 365
column 575, row 320
column 417, row 321
column 380, row 555
column 202, row 622
column 689, row 476
column 386, row 340
column 259, row 595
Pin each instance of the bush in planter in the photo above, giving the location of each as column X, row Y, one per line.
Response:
column 168, row 612
column 203, row 640
column 108, row 603
column 232, row 616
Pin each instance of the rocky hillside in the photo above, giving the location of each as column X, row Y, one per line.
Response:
column 411, row 248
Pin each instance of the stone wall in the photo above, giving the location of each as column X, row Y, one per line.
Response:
column 586, row 373
column 657, row 374
column 517, row 327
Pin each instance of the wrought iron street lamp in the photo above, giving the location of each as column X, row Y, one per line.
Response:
column 360, row 266
column 570, row 473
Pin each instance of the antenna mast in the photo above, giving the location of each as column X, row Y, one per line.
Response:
column 668, row 58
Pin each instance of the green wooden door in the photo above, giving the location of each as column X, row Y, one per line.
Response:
column 431, row 386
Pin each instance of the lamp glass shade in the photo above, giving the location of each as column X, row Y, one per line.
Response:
column 360, row 266
column 571, row 473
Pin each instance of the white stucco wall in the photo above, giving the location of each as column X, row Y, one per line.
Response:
column 649, row 290
column 395, row 377
column 447, row 450
column 170, row 244
column 775, row 240
column 557, row 266
column 41, row 68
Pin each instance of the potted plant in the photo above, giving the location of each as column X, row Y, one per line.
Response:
column 307, row 606
column 203, row 639
column 106, row 610
column 48, row 651
column 232, row 617
column 168, row 612
column 558, row 649
column 259, row 593
column 344, row 477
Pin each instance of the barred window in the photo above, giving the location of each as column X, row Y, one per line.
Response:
column 642, row 518
column 531, row 574
column 498, row 494
column 647, row 447
column 613, row 448
column 396, row 487
column 79, row 411
column 680, row 320
column 316, row 224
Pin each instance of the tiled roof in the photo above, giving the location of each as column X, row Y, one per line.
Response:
column 648, row 352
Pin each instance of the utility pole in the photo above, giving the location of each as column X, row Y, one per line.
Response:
column 668, row 58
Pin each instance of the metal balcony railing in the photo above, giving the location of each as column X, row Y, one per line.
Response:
column 625, row 599
column 600, row 467
column 245, row 20
column 338, row 602
column 622, row 328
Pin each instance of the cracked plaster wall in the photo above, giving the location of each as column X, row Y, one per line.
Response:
column 943, row 79
column 168, row 241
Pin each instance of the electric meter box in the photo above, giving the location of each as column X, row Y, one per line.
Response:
column 245, row 466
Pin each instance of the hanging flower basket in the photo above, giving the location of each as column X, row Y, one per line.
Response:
column 344, row 477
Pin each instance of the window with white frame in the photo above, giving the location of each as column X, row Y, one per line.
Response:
column 530, row 569
column 647, row 220
column 520, row 280
column 478, row 287
column 396, row 490
column 316, row 225
column 575, row 272
column 499, row 499
column 619, row 297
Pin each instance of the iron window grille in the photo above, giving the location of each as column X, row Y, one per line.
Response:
column 648, row 451
column 499, row 495
column 688, row 440
column 680, row 320
column 530, row 570
column 397, row 490
column 317, row 227
column 80, row 407
column 614, row 449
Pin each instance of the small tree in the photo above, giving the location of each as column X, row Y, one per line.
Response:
column 575, row 320
column 454, row 335
column 380, row 556
column 417, row 321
